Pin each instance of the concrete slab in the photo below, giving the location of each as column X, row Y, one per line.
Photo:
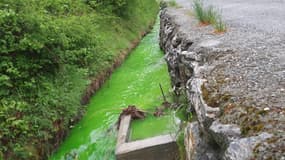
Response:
column 162, row 147
column 123, row 133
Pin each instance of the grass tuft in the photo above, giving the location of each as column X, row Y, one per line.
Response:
column 219, row 25
column 199, row 11
column 209, row 15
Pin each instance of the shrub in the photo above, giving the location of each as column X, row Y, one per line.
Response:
column 33, row 44
column 115, row 6
column 48, row 50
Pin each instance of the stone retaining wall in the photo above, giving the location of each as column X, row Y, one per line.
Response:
column 192, row 55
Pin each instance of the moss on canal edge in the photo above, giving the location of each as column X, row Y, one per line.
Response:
column 251, row 119
column 247, row 117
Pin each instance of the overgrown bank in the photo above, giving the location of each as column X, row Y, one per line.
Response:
column 49, row 51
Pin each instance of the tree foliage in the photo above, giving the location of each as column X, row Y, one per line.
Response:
column 115, row 6
column 48, row 49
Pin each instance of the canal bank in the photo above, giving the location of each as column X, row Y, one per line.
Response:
column 136, row 82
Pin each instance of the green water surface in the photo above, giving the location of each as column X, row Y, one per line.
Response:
column 154, row 126
column 136, row 82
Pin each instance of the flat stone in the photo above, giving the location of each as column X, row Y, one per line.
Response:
column 123, row 133
column 243, row 148
column 224, row 133
column 159, row 147
column 209, row 43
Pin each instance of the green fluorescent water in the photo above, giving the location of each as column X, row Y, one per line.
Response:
column 153, row 126
column 135, row 82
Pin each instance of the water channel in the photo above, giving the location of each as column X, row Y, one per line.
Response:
column 136, row 82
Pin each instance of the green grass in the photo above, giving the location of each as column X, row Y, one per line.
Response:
column 172, row 3
column 167, row 3
column 199, row 11
column 211, row 15
column 181, row 146
column 208, row 15
column 219, row 25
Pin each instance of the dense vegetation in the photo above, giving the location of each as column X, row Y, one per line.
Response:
column 49, row 49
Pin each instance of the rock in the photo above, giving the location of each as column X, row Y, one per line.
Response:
column 196, row 145
column 209, row 43
column 224, row 134
column 242, row 149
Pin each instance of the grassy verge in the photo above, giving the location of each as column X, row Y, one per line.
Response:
column 168, row 3
column 49, row 52
column 172, row 3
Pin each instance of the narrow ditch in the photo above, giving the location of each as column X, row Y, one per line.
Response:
column 136, row 82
